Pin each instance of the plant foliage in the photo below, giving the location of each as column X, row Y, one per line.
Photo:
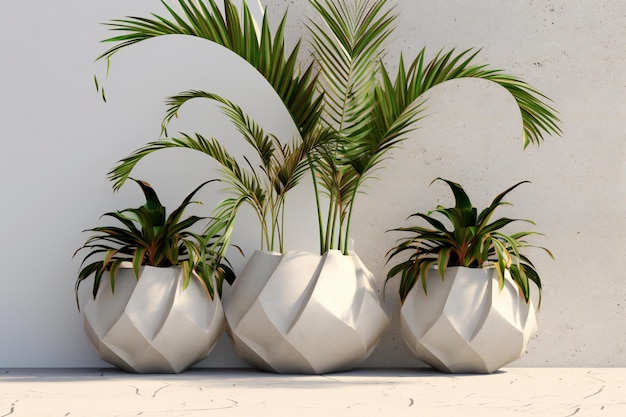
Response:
column 147, row 236
column 474, row 240
column 349, row 109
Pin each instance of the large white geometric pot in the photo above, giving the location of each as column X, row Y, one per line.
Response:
column 152, row 325
column 466, row 324
column 304, row 313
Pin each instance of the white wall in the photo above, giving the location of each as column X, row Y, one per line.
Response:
column 60, row 139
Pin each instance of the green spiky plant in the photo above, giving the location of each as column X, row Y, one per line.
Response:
column 349, row 111
column 147, row 236
column 474, row 240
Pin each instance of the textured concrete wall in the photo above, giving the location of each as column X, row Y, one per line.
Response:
column 60, row 139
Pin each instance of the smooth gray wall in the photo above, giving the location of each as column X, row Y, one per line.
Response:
column 60, row 139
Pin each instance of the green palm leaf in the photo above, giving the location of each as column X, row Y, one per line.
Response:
column 349, row 55
column 267, row 54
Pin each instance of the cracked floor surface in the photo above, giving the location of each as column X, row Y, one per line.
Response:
column 550, row 392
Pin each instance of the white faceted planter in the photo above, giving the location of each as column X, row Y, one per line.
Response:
column 304, row 313
column 152, row 325
column 466, row 324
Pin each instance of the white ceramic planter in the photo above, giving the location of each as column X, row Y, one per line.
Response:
column 152, row 325
column 466, row 324
column 304, row 313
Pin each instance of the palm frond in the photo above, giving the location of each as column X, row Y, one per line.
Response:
column 538, row 115
column 348, row 50
column 267, row 53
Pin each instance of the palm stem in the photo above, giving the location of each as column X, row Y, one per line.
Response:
column 320, row 223
column 350, row 207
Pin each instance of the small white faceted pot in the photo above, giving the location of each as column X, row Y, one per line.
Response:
column 153, row 325
column 465, row 323
column 304, row 313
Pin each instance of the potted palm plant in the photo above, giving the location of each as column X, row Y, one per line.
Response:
column 348, row 110
column 466, row 289
column 156, row 289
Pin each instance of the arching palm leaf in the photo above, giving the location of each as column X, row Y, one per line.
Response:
column 266, row 53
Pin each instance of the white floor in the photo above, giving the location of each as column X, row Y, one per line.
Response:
column 550, row 392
